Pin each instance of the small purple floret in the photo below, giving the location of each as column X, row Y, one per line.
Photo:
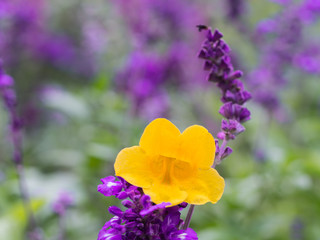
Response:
column 109, row 186
column 64, row 201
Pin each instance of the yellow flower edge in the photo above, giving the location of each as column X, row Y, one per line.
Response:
column 171, row 166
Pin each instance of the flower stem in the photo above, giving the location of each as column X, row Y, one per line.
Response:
column 35, row 233
column 61, row 235
column 188, row 218
column 221, row 151
column 7, row 94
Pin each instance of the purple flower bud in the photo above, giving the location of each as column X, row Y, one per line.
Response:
column 221, row 135
column 183, row 205
column 242, row 97
column 115, row 223
column 213, row 77
column 115, row 220
column 129, row 214
column 145, row 201
column 244, row 115
column 235, row 111
column 233, row 126
column 202, row 54
column 226, row 153
column 153, row 208
column 213, row 37
column 226, row 110
column 115, row 211
column 128, row 204
column 122, row 195
column 130, row 226
column 236, row 74
column 207, row 65
column 228, row 97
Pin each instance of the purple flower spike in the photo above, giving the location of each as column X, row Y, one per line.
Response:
column 216, row 54
column 142, row 219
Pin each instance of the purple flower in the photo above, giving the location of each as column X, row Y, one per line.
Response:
column 235, row 8
column 188, row 234
column 109, row 186
column 283, row 43
column 216, row 54
column 9, row 98
column 308, row 59
column 141, row 219
column 63, row 201
column 26, row 35
column 154, row 25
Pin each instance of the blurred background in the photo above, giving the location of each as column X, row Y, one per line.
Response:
column 91, row 74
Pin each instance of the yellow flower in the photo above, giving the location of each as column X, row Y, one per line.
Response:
column 171, row 166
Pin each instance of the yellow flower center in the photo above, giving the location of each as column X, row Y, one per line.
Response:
column 167, row 169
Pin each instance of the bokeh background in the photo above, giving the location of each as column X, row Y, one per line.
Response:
column 91, row 74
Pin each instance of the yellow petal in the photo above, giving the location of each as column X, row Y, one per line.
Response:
column 160, row 193
column 197, row 146
column 207, row 186
column 133, row 165
column 160, row 138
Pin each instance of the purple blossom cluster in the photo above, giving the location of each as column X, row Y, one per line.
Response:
column 142, row 79
column 162, row 53
column 284, row 42
column 141, row 218
column 25, row 33
column 216, row 54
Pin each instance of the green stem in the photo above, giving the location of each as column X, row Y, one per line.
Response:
column 188, row 218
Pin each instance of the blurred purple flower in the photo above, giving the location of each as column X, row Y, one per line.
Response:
column 62, row 203
column 148, row 72
column 9, row 98
column 308, row 59
column 27, row 34
column 235, row 8
column 142, row 80
column 283, row 43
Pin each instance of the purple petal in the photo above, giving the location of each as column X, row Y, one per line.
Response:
column 109, row 186
column 153, row 208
